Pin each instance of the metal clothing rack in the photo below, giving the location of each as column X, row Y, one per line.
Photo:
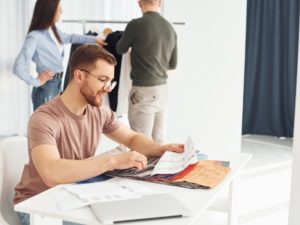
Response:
column 84, row 22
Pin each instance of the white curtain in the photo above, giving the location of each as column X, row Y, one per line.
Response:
column 15, row 16
column 14, row 94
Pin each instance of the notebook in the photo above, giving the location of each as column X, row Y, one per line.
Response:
column 149, row 207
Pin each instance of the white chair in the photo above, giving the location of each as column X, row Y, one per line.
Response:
column 13, row 156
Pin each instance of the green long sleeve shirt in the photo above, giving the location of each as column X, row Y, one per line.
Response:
column 153, row 45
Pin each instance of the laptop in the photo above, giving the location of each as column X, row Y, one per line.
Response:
column 149, row 207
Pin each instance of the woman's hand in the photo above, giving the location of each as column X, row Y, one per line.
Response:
column 100, row 41
column 44, row 76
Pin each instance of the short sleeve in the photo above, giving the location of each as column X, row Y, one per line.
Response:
column 42, row 130
column 110, row 121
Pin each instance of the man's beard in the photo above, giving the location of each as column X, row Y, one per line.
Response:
column 94, row 100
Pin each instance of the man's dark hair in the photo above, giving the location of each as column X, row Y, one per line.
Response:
column 86, row 55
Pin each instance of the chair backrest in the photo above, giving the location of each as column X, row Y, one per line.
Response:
column 13, row 156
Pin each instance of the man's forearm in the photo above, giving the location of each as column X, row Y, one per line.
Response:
column 146, row 146
column 68, row 171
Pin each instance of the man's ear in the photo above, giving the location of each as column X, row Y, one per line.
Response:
column 78, row 76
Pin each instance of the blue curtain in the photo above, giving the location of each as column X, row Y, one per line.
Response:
column 271, row 67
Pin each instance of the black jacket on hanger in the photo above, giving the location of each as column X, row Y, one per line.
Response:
column 112, row 40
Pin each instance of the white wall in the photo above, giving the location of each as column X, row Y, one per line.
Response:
column 206, row 90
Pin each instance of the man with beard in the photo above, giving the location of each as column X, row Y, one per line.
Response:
column 64, row 133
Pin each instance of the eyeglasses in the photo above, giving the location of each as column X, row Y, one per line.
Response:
column 107, row 84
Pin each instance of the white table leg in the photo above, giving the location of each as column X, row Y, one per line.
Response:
column 38, row 220
column 233, row 214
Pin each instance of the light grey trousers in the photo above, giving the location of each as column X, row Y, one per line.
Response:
column 147, row 111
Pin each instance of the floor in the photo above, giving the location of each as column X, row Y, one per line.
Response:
column 265, row 183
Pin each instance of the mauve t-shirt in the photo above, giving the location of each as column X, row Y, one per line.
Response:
column 76, row 137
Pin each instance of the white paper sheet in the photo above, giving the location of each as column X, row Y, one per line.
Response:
column 67, row 201
column 171, row 162
column 78, row 195
column 100, row 191
column 131, row 185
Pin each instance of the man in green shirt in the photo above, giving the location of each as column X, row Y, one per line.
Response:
column 153, row 44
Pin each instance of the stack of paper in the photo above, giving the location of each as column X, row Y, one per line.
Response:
column 172, row 162
column 180, row 169
column 116, row 189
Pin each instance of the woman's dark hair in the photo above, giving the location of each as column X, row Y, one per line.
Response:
column 43, row 16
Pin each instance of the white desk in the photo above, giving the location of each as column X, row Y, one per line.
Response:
column 42, row 207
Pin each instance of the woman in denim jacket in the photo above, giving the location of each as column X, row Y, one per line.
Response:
column 44, row 46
